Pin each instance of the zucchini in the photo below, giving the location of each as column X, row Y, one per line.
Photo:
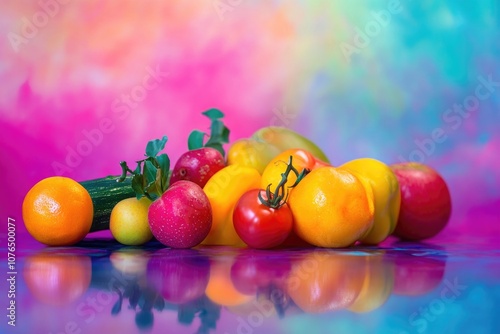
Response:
column 106, row 193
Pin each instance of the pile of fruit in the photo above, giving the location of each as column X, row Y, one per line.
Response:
column 275, row 189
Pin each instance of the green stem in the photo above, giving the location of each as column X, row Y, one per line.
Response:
column 125, row 171
column 279, row 197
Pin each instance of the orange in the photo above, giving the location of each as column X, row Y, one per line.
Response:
column 58, row 211
column 332, row 207
column 324, row 280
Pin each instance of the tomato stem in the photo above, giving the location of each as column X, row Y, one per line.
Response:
column 279, row 197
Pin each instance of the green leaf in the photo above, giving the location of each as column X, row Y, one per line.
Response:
column 219, row 133
column 169, row 174
column 225, row 134
column 213, row 114
column 159, row 183
column 138, row 186
column 163, row 162
column 139, row 167
column 149, row 172
column 195, row 140
column 155, row 146
column 151, row 175
column 164, row 166
column 152, row 190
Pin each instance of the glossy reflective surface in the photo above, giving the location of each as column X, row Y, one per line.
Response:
column 102, row 287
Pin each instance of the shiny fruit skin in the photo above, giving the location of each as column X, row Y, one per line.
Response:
column 284, row 139
column 425, row 201
column 251, row 153
column 224, row 190
column 58, row 211
column 128, row 222
column 198, row 166
column 387, row 196
column 182, row 216
column 301, row 159
column 332, row 207
column 259, row 225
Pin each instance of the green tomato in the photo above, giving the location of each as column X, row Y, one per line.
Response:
column 129, row 221
column 284, row 139
column 251, row 153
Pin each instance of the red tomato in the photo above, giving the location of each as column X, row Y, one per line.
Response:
column 259, row 225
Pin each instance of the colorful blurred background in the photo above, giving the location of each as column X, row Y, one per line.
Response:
column 84, row 85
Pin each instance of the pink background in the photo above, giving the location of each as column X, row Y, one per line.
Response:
column 67, row 68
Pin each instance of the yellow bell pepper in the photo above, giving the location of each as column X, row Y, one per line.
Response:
column 223, row 190
column 387, row 195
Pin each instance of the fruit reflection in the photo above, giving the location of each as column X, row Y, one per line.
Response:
column 179, row 275
column 129, row 261
column 261, row 304
column 378, row 284
column 57, row 278
column 197, row 284
column 202, row 308
column 324, row 280
column 417, row 275
column 220, row 288
column 253, row 270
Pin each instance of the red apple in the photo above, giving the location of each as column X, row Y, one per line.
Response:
column 182, row 216
column 198, row 166
column 425, row 201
